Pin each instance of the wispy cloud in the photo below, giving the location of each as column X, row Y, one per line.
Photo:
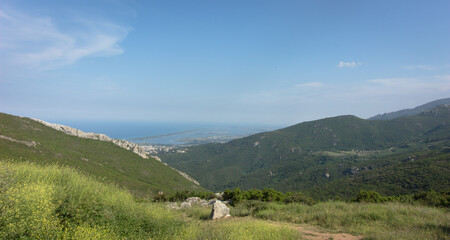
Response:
column 342, row 64
column 38, row 42
column 391, row 81
column 443, row 77
column 364, row 98
column 310, row 84
column 422, row 67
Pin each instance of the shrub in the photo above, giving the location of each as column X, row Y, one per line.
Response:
column 369, row 196
column 270, row 195
column 298, row 197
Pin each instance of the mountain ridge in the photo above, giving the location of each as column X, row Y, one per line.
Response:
column 411, row 111
column 97, row 136
column 315, row 152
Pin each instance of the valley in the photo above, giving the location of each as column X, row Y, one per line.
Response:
column 340, row 177
column 343, row 153
column 224, row 120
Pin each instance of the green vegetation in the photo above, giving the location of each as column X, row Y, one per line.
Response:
column 241, row 229
column 55, row 186
column 56, row 202
column 430, row 198
column 143, row 177
column 373, row 221
column 329, row 158
column 237, row 196
column 391, row 220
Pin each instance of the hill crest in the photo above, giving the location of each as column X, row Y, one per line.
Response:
column 97, row 136
column 412, row 111
column 24, row 139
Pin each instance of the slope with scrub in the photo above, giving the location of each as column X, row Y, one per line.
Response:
column 331, row 153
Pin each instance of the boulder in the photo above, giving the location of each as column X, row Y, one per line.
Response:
column 185, row 205
column 219, row 195
column 194, row 200
column 219, row 210
column 172, row 205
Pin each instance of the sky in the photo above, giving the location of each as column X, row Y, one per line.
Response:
column 253, row 61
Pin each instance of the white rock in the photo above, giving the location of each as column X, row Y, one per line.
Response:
column 194, row 200
column 219, row 210
column 172, row 205
column 185, row 205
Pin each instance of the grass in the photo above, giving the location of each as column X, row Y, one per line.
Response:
column 232, row 228
column 374, row 221
column 242, row 228
column 54, row 202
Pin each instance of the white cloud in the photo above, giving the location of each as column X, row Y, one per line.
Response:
column 38, row 41
column 422, row 67
column 391, row 81
column 342, row 64
column 443, row 77
column 363, row 98
column 310, row 84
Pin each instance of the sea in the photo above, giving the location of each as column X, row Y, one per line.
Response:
column 169, row 133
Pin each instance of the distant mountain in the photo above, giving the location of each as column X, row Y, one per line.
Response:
column 330, row 157
column 24, row 139
column 410, row 112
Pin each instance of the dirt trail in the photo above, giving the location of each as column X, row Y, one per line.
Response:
column 315, row 235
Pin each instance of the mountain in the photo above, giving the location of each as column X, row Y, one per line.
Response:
column 24, row 139
column 411, row 112
column 329, row 157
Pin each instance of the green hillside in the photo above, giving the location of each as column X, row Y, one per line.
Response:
column 411, row 112
column 330, row 155
column 23, row 139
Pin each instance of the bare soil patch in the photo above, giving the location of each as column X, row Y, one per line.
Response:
column 28, row 143
column 312, row 234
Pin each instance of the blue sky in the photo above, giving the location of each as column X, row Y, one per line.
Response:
column 266, row 62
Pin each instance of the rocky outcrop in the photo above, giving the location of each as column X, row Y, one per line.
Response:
column 219, row 210
column 102, row 137
column 97, row 136
column 194, row 200
column 187, row 176
column 185, row 205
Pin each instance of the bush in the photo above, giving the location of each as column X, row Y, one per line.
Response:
column 267, row 195
column 270, row 195
column 298, row 197
column 181, row 196
column 432, row 198
column 160, row 197
column 369, row 196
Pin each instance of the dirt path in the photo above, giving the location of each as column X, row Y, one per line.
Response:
column 316, row 235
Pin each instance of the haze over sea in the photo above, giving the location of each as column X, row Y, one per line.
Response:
column 166, row 133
